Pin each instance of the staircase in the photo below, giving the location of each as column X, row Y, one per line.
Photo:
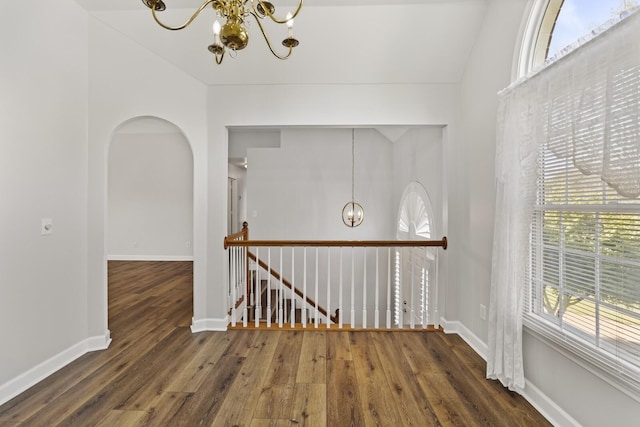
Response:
column 262, row 304
column 266, row 305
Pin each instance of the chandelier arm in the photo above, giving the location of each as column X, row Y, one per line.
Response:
column 266, row 39
column 216, row 4
column 270, row 15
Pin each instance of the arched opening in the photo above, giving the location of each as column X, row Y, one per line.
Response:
column 150, row 206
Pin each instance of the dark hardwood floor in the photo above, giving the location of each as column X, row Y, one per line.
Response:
column 157, row 373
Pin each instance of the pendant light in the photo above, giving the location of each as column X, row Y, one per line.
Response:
column 352, row 213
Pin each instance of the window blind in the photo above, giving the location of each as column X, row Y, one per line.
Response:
column 585, row 265
column 583, row 281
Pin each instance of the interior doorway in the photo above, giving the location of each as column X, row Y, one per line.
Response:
column 150, row 204
column 232, row 203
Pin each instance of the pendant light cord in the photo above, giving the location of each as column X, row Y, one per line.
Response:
column 353, row 162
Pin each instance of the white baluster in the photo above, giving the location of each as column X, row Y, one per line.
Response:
column 315, row 298
column 364, row 289
column 229, row 280
column 281, row 296
column 340, row 312
column 353, row 285
column 423, row 289
column 292, row 292
column 232, row 272
column 401, row 286
column 245, row 310
column 268, row 315
column 436, row 281
column 328, row 287
column 376, row 322
column 388, row 288
column 258, row 289
column 252, row 275
column 304, row 289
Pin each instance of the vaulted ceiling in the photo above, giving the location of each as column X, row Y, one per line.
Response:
column 341, row 41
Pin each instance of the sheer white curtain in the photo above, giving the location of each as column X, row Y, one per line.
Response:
column 586, row 106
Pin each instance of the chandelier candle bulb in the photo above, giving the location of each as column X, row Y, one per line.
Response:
column 290, row 24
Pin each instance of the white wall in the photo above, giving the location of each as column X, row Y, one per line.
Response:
column 298, row 191
column 418, row 156
column 128, row 82
column 150, row 197
column 488, row 71
column 43, row 174
column 561, row 388
column 309, row 105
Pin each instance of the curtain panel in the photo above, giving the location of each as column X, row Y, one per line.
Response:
column 584, row 106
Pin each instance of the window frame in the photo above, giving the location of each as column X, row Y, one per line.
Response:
column 536, row 38
column 568, row 339
column 536, row 33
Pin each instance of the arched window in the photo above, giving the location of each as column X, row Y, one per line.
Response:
column 555, row 25
column 583, row 268
column 414, row 272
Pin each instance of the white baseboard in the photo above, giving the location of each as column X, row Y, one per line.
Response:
column 469, row 337
column 202, row 325
column 150, row 257
column 22, row 382
column 547, row 407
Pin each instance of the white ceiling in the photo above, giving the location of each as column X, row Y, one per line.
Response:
column 341, row 41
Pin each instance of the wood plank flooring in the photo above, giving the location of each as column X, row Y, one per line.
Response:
column 157, row 373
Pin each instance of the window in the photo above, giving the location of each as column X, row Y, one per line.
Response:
column 555, row 25
column 585, row 264
column 583, row 277
column 413, row 267
column 577, row 18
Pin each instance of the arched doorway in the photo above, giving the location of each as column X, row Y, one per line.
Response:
column 415, row 272
column 150, row 202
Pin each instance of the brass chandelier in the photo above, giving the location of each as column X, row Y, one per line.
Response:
column 232, row 36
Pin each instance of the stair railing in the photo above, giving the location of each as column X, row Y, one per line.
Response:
column 407, row 302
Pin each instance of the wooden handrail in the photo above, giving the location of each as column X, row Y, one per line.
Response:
column 244, row 233
column 338, row 243
column 289, row 285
